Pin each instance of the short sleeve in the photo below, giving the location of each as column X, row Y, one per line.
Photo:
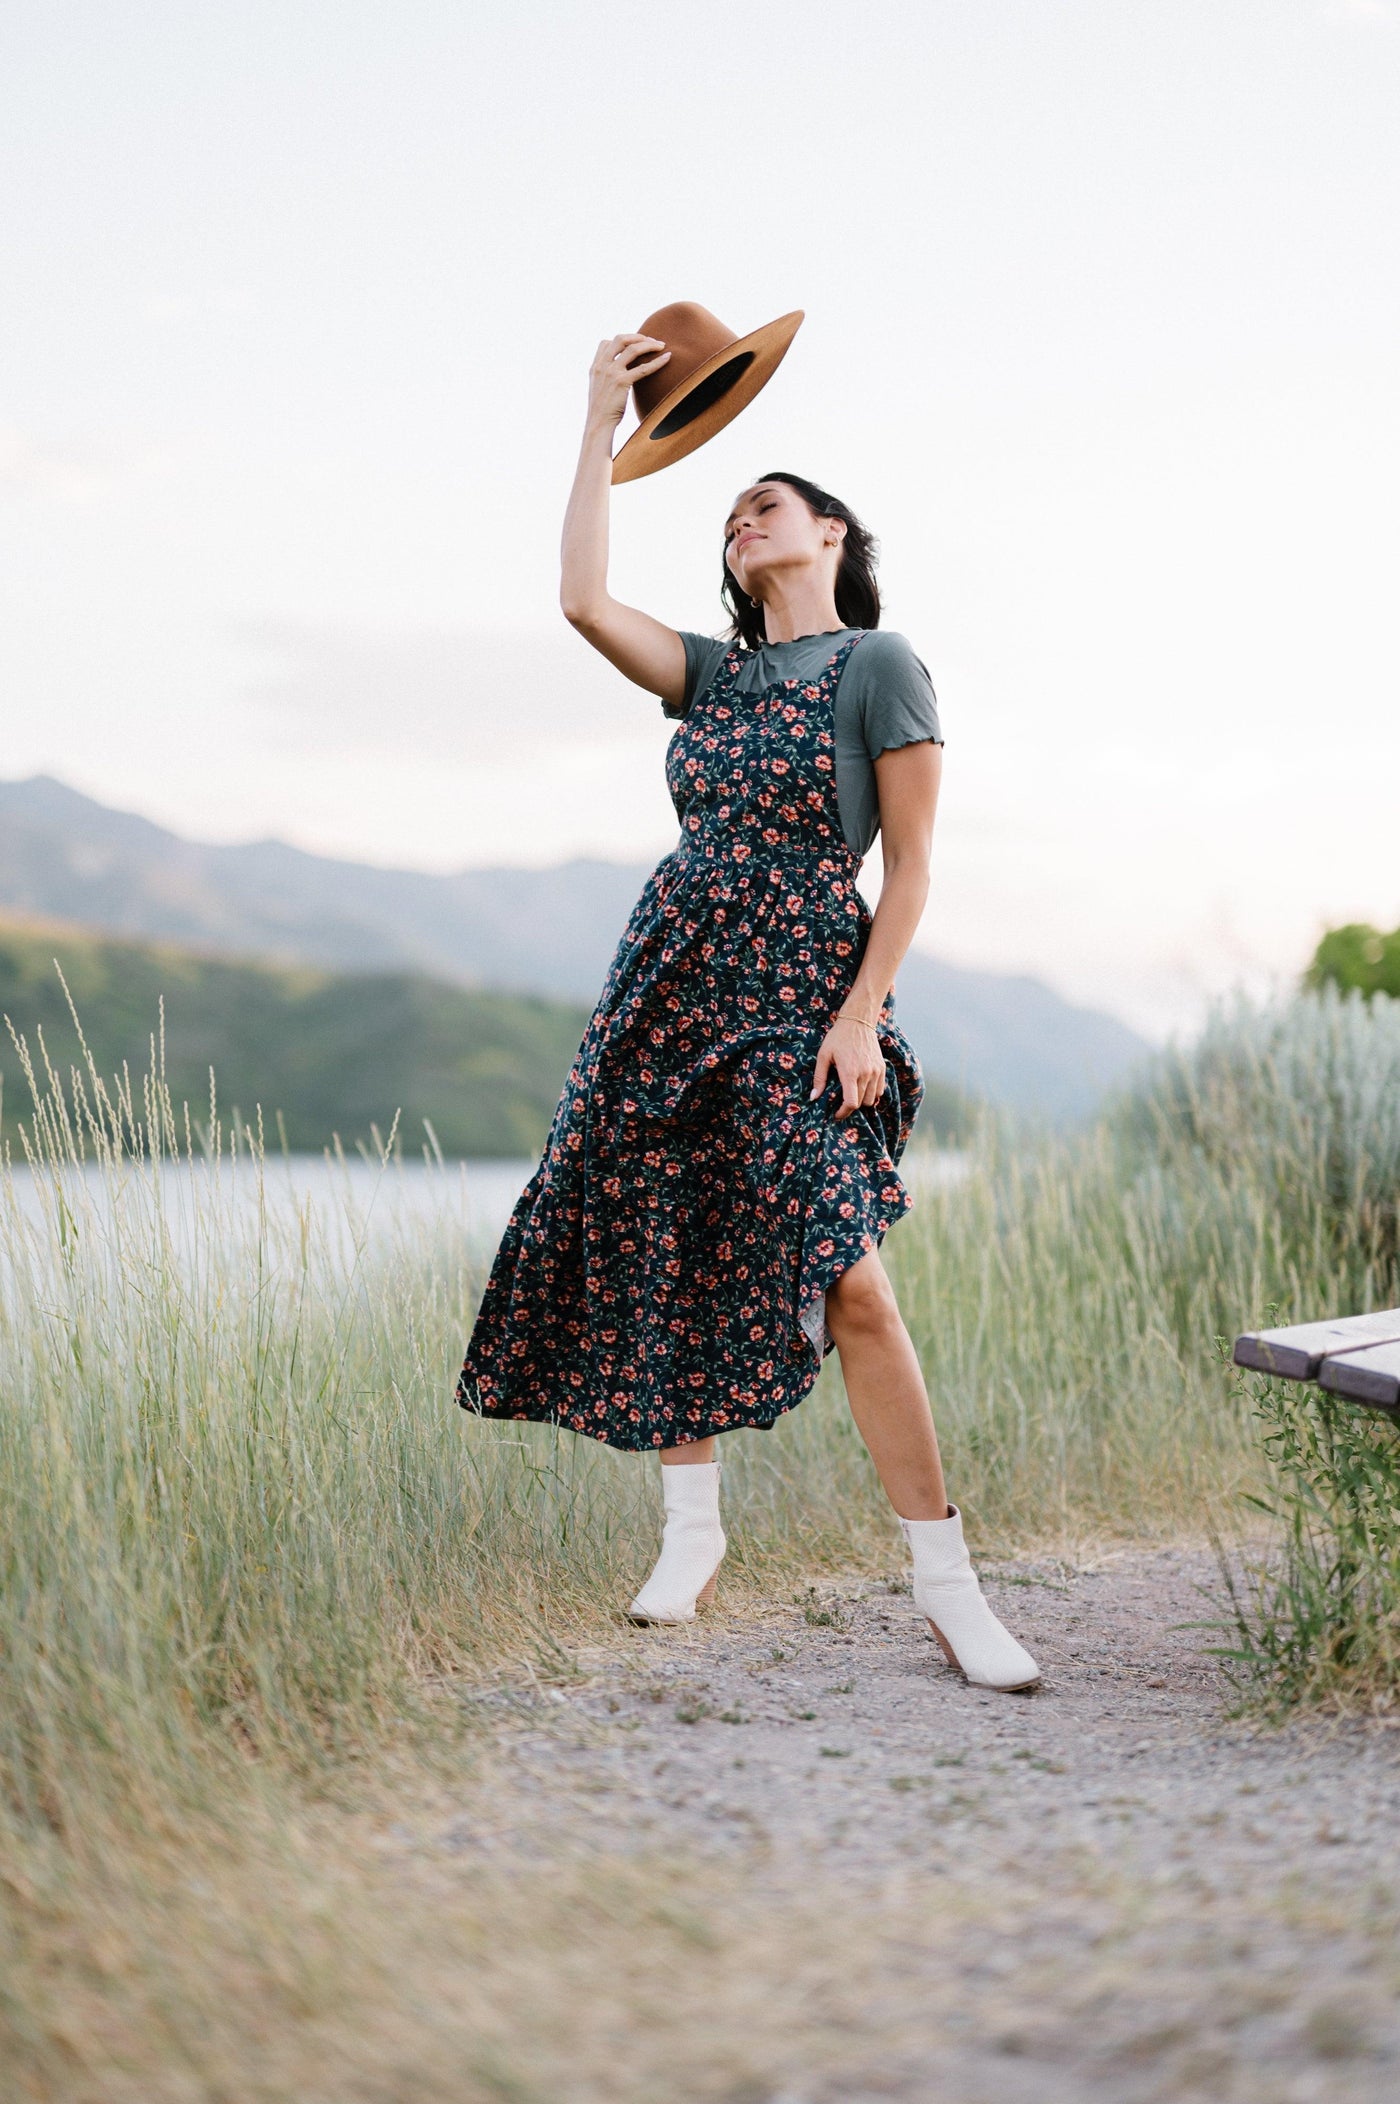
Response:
column 896, row 701
column 703, row 657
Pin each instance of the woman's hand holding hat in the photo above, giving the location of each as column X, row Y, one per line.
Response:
column 679, row 405
column 619, row 362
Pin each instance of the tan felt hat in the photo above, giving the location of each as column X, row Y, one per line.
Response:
column 708, row 378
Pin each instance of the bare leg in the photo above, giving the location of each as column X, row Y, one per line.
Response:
column 693, row 1450
column 885, row 1389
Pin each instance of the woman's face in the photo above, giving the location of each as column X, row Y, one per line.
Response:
column 772, row 528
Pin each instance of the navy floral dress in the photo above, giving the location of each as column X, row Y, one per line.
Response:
column 663, row 1274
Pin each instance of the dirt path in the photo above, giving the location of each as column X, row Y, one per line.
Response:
column 1106, row 1890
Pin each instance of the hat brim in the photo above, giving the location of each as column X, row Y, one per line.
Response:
column 680, row 422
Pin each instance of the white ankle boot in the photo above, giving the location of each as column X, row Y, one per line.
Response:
column 692, row 1545
column 947, row 1591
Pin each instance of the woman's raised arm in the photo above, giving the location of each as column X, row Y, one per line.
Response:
column 646, row 650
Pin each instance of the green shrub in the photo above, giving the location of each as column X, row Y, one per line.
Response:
column 1316, row 1613
column 1357, row 958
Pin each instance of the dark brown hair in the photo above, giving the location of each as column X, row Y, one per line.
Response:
column 857, row 594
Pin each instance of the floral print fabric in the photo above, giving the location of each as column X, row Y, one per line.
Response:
column 664, row 1272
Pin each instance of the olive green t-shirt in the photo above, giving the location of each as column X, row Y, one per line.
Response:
column 884, row 697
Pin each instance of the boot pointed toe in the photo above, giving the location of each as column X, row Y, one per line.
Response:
column 982, row 1648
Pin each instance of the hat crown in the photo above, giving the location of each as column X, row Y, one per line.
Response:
column 691, row 334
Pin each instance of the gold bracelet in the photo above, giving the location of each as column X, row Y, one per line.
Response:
column 858, row 1019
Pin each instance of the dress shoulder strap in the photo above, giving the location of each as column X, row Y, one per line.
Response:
column 843, row 650
column 730, row 666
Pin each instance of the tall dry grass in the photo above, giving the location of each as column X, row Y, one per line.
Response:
column 1066, row 1300
column 242, row 1500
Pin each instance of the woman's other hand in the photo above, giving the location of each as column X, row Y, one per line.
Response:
column 617, row 365
column 855, row 1053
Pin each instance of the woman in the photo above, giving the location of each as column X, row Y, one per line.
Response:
column 706, row 1220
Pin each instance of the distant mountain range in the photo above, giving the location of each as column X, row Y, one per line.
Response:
column 547, row 932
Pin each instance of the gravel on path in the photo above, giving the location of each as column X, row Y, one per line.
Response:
column 1108, row 1889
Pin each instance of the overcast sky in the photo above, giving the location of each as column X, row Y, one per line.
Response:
column 1102, row 338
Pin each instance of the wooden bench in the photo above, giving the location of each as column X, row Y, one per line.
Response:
column 1357, row 1356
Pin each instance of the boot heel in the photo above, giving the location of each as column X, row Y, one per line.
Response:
column 944, row 1646
column 706, row 1595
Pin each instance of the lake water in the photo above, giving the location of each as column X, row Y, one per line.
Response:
column 480, row 1194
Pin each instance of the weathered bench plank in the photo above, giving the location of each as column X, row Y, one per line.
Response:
column 1371, row 1376
column 1297, row 1353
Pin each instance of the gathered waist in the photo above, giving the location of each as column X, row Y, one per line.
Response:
column 725, row 851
